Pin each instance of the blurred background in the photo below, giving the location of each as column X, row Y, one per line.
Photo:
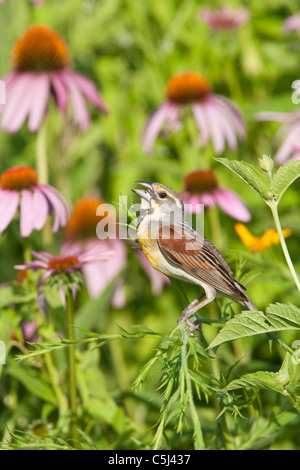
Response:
column 130, row 49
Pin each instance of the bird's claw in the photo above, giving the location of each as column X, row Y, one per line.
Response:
column 192, row 325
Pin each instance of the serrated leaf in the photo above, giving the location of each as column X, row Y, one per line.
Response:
column 278, row 317
column 261, row 379
column 249, row 174
column 284, row 177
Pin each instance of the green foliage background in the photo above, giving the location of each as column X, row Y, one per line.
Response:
column 130, row 48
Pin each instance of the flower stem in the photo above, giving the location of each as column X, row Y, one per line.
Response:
column 273, row 207
column 215, row 227
column 41, row 153
column 72, row 369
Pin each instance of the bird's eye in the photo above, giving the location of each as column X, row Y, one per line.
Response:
column 162, row 195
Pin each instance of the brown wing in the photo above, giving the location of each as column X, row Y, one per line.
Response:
column 190, row 250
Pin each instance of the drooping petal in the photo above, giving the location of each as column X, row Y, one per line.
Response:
column 89, row 89
column 154, row 126
column 192, row 203
column 26, row 213
column 201, row 122
column 99, row 274
column 232, row 204
column 226, row 127
column 232, row 113
column 81, row 114
column 40, row 101
column 40, row 209
column 118, row 299
column 19, row 98
column 58, row 204
column 290, row 143
column 9, row 201
column 60, row 91
column 215, row 130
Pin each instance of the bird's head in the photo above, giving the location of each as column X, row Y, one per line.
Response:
column 159, row 201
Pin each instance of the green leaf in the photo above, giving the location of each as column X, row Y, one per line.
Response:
column 278, row 317
column 261, row 379
column 33, row 381
column 249, row 174
column 284, row 177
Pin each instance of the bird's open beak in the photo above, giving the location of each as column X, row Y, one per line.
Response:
column 147, row 195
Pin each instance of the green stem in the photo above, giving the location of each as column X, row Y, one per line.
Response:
column 215, row 228
column 222, row 419
column 273, row 207
column 53, row 377
column 72, row 369
column 199, row 441
column 41, row 153
column 26, row 250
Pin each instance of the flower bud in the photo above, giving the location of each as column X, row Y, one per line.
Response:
column 266, row 163
column 283, row 377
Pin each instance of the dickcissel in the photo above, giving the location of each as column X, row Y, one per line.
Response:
column 176, row 249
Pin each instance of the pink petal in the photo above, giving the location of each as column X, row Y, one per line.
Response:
column 201, row 122
column 272, row 116
column 19, row 98
column 81, row 114
column 118, row 299
column 40, row 209
column 39, row 103
column 226, row 127
column 154, row 126
column 9, row 201
column 290, row 142
column 60, row 91
column 58, row 204
column 100, row 274
column 215, row 130
column 231, row 112
column 26, row 213
column 192, row 203
column 89, row 89
column 42, row 255
column 232, row 204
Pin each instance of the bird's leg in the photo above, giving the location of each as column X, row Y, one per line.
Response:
column 194, row 306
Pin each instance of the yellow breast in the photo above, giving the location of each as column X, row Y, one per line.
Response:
column 152, row 252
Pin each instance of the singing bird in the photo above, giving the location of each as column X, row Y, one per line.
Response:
column 176, row 249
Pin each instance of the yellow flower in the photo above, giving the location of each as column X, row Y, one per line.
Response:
column 269, row 238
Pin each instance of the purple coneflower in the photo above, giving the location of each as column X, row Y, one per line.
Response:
column 66, row 263
column 202, row 187
column 224, row 19
column 80, row 233
column 292, row 23
column 288, row 134
column 19, row 188
column 41, row 67
column 215, row 116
